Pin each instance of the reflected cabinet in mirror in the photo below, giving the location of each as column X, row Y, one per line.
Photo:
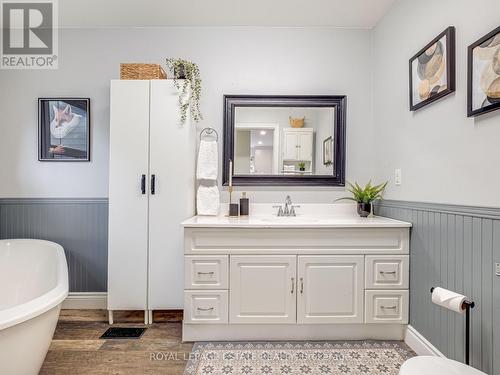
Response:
column 285, row 140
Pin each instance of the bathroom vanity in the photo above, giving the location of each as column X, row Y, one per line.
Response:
column 314, row 276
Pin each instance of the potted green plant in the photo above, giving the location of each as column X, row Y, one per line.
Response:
column 302, row 166
column 365, row 196
column 189, row 94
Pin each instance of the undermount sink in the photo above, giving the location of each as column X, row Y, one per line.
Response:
column 280, row 219
column 308, row 216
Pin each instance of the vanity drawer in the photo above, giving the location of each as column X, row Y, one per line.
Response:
column 386, row 306
column 386, row 271
column 205, row 306
column 206, row 272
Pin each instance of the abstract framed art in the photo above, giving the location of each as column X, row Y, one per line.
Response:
column 483, row 75
column 432, row 70
column 64, row 129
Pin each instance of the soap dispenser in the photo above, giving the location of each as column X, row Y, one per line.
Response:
column 244, row 203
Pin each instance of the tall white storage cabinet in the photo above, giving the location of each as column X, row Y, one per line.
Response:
column 151, row 190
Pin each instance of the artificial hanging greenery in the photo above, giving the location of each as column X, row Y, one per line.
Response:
column 183, row 69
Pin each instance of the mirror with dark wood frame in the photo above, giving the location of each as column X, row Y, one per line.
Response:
column 284, row 140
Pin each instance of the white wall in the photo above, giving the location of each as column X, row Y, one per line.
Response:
column 242, row 151
column 325, row 116
column 444, row 156
column 232, row 61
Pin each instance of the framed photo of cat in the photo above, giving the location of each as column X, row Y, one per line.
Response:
column 64, row 129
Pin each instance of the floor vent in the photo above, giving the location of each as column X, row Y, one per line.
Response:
column 123, row 333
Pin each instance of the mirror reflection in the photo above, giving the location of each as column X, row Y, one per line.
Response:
column 296, row 141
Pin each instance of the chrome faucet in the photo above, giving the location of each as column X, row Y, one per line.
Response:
column 288, row 209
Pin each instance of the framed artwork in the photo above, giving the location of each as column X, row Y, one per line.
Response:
column 432, row 70
column 483, row 71
column 64, row 129
column 328, row 151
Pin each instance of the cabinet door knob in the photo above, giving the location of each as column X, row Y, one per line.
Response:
column 205, row 273
column 387, row 272
column 389, row 307
column 301, row 285
column 293, row 284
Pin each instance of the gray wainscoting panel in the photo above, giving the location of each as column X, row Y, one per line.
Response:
column 455, row 247
column 79, row 225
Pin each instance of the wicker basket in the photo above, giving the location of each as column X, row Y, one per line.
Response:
column 296, row 122
column 142, row 71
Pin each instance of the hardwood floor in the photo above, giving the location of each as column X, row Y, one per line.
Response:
column 77, row 349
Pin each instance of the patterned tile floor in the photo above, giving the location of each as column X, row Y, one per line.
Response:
column 330, row 357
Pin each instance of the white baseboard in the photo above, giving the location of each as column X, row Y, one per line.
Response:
column 85, row 301
column 420, row 344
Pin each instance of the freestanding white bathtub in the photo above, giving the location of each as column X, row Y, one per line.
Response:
column 33, row 285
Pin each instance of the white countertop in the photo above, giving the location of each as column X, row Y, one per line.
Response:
column 308, row 216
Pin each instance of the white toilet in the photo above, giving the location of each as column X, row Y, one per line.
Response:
column 430, row 365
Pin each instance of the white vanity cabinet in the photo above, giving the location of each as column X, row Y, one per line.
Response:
column 251, row 280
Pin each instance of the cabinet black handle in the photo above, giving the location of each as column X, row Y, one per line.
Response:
column 153, row 183
column 143, row 184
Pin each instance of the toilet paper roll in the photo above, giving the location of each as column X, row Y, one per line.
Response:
column 448, row 299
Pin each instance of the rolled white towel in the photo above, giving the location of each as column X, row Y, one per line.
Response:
column 208, row 160
column 208, row 200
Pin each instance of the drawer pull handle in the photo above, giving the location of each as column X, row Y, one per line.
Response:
column 293, row 284
column 301, row 285
column 387, row 272
column 389, row 307
column 202, row 309
column 205, row 273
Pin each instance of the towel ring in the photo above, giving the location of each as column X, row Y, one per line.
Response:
column 209, row 131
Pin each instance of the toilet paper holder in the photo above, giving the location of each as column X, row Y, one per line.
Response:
column 466, row 305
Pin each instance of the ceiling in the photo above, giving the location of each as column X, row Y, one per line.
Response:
column 363, row 14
